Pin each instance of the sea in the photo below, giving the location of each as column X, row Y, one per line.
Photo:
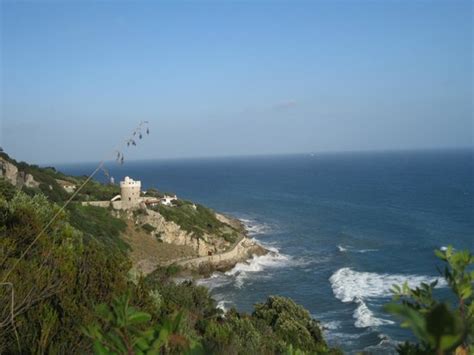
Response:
column 343, row 228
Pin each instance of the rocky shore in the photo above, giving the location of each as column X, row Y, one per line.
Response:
column 167, row 244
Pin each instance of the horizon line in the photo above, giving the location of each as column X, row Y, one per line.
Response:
column 262, row 155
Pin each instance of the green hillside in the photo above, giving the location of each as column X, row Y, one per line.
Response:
column 70, row 290
column 73, row 292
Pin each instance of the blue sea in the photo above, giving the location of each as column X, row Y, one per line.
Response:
column 343, row 227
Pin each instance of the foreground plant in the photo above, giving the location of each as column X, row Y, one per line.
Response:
column 441, row 327
column 123, row 329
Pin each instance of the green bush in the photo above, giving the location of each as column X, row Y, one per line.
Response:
column 439, row 328
column 97, row 223
column 148, row 228
column 56, row 283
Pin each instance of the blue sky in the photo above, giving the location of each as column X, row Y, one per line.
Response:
column 218, row 78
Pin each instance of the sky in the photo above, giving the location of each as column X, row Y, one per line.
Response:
column 224, row 78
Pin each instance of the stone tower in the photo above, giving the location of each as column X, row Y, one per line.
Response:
column 130, row 193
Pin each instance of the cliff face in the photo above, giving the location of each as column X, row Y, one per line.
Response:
column 170, row 232
column 166, row 243
column 17, row 178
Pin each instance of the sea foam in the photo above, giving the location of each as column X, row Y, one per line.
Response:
column 256, row 264
column 255, row 228
column 347, row 248
column 353, row 286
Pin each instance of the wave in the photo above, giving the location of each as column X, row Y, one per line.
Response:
column 365, row 317
column 353, row 286
column 341, row 248
column 255, row 228
column 346, row 248
column 216, row 280
column 243, row 270
column 385, row 346
column 330, row 325
column 222, row 305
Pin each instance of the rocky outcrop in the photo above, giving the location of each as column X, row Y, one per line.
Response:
column 244, row 249
column 10, row 172
column 170, row 232
column 211, row 252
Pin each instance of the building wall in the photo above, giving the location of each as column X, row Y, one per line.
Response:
column 96, row 203
column 130, row 192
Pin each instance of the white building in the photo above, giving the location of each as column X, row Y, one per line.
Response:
column 130, row 197
column 130, row 193
column 168, row 200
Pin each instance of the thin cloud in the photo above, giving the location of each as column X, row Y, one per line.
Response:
column 284, row 105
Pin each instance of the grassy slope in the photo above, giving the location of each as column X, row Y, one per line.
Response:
column 198, row 221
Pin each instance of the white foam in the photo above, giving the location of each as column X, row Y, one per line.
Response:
column 349, row 285
column 255, row 228
column 353, row 286
column 347, row 248
column 242, row 271
column 222, row 305
column 332, row 325
column 341, row 248
column 214, row 281
column 365, row 317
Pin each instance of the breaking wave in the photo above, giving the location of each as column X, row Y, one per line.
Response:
column 243, row 270
column 346, row 248
column 353, row 286
column 255, row 228
column 365, row 317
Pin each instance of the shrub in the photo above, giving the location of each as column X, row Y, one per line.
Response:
column 439, row 328
column 148, row 228
column 97, row 223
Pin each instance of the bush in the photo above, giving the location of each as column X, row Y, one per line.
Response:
column 98, row 224
column 439, row 328
column 148, row 228
column 56, row 283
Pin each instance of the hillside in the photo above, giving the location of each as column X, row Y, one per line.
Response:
column 75, row 290
column 182, row 230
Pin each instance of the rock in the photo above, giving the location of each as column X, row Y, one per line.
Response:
column 172, row 233
column 17, row 178
column 8, row 171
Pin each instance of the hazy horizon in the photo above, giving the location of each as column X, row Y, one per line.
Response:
column 223, row 79
column 269, row 155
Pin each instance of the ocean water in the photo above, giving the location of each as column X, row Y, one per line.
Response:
column 343, row 227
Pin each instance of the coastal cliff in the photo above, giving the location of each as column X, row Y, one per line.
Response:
column 156, row 241
column 76, row 277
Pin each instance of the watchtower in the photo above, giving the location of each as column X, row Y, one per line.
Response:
column 130, row 193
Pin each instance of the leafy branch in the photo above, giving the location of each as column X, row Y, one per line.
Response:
column 440, row 328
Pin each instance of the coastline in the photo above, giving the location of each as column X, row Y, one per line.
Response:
column 242, row 251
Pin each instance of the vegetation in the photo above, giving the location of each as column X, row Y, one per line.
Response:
column 148, row 228
column 56, row 284
column 46, row 177
column 197, row 219
column 95, row 191
column 198, row 327
column 72, row 292
column 440, row 328
column 98, row 223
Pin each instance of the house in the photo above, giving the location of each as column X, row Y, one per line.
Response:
column 70, row 187
column 168, row 200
